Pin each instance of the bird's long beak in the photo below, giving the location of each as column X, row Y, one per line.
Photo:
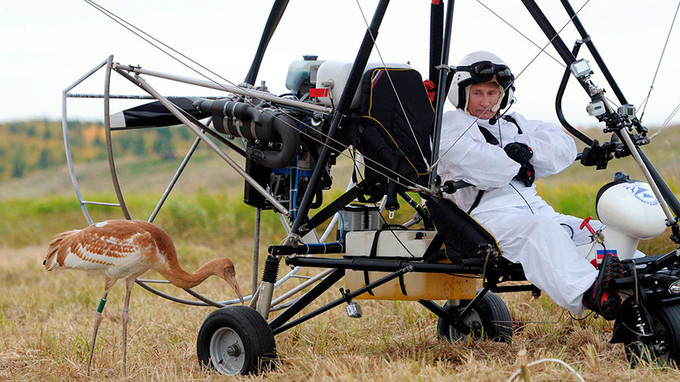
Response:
column 234, row 284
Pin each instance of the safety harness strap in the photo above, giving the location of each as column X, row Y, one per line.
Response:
column 493, row 141
column 374, row 253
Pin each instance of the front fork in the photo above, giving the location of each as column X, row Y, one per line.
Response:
column 269, row 275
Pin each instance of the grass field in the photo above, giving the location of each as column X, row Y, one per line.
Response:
column 46, row 319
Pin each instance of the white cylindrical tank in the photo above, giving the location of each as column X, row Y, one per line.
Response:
column 631, row 207
column 631, row 212
column 333, row 75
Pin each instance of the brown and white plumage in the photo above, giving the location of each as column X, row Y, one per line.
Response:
column 126, row 249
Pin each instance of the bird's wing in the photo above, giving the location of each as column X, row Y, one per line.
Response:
column 98, row 248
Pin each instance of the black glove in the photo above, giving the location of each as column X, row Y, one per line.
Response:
column 519, row 152
column 597, row 155
column 526, row 174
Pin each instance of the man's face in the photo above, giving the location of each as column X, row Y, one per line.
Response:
column 483, row 98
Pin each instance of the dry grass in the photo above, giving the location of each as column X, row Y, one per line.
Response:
column 46, row 323
column 46, row 319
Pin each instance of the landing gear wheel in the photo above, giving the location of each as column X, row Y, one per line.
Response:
column 489, row 319
column 663, row 347
column 236, row 340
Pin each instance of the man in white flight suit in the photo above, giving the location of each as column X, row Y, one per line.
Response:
column 501, row 156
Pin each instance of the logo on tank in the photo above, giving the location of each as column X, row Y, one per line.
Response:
column 642, row 192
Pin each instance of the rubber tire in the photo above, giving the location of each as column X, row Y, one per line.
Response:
column 239, row 323
column 489, row 319
column 666, row 320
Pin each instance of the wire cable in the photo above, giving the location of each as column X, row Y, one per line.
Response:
column 394, row 89
column 559, row 361
column 666, row 123
column 658, row 65
column 519, row 32
column 166, row 49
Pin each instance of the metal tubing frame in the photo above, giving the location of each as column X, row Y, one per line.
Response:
column 256, row 250
column 558, row 101
column 382, row 264
column 645, row 166
column 178, row 113
column 109, row 144
column 174, row 179
column 307, row 298
column 341, row 113
column 441, row 95
column 224, row 87
column 204, row 301
column 446, row 316
column 201, row 134
column 275, row 15
column 67, row 145
column 302, row 286
column 279, row 324
column 596, row 55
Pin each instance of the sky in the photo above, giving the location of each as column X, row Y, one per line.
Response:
column 47, row 45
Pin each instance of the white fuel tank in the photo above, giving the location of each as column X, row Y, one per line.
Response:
column 333, row 75
column 630, row 212
column 631, row 208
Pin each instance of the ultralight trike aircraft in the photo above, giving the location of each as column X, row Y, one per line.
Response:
column 384, row 118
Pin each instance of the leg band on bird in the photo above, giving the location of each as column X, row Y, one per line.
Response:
column 100, row 308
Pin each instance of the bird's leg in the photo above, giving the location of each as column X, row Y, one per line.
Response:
column 130, row 282
column 98, row 320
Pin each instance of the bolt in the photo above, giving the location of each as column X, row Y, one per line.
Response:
column 234, row 350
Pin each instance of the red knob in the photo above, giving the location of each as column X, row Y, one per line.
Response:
column 586, row 224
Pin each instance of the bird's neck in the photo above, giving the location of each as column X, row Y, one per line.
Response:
column 182, row 279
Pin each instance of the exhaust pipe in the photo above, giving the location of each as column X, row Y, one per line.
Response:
column 243, row 120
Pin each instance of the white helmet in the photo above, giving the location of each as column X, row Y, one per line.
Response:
column 479, row 67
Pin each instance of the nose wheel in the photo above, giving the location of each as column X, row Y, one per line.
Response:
column 236, row 340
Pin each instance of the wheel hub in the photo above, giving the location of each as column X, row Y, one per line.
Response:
column 234, row 350
column 660, row 347
column 226, row 351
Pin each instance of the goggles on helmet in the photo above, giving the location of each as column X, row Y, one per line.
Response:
column 484, row 71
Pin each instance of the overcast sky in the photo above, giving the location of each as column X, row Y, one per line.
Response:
column 47, row 45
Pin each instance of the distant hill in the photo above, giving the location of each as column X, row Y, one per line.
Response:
column 33, row 164
column 30, row 146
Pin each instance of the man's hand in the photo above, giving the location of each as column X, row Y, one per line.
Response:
column 526, row 174
column 519, row 152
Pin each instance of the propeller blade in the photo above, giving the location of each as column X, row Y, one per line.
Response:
column 154, row 114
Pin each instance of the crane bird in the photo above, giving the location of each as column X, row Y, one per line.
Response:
column 125, row 249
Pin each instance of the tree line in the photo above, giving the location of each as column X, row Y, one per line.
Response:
column 28, row 146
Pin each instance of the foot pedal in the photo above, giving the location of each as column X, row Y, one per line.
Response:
column 353, row 310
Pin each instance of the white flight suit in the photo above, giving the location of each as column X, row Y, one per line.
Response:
column 526, row 228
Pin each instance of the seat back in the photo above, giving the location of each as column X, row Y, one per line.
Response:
column 395, row 130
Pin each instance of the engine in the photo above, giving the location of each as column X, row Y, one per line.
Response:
column 282, row 143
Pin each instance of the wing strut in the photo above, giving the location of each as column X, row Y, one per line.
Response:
column 436, row 33
column 341, row 113
column 596, row 55
column 441, row 92
column 272, row 22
